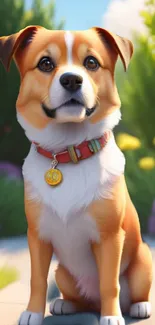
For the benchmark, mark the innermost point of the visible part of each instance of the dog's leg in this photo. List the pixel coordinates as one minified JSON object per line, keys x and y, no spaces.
{"x":140,"y":280}
{"x":109,"y":217}
{"x":139,"y":274}
{"x":72,"y":302}
{"x":108,"y":257}
{"x":40,"y":254}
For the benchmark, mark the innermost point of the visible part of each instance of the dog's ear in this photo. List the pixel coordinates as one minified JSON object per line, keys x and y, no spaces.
{"x":122,"y":46}
{"x":9,"y":45}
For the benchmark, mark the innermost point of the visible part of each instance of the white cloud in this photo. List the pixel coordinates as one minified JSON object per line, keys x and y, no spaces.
{"x":123,"y":17}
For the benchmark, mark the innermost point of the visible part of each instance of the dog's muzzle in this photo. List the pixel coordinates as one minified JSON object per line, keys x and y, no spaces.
{"x":51,"y":112}
{"x":74,"y":102}
{"x":71,"y":81}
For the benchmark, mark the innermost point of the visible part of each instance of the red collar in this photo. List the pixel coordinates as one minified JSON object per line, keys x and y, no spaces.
{"x":76,"y":153}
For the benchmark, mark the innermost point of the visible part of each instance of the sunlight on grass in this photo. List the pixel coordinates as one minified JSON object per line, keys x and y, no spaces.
{"x":8,"y":275}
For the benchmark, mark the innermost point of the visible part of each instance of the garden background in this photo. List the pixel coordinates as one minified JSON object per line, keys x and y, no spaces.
{"x":135,"y":135}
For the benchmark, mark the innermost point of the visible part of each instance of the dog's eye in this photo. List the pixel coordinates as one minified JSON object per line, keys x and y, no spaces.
{"x":46,"y":64}
{"x":91,"y":63}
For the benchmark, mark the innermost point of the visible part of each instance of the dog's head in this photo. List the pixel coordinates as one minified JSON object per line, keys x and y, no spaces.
{"x":65,"y":76}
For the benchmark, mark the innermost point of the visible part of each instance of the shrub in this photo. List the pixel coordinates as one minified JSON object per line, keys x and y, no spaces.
{"x":140,"y":178}
{"x":15,"y":16}
{"x":12,"y":216}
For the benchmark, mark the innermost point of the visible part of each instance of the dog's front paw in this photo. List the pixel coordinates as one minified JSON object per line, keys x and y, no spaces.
{"x":140,"y":310}
{"x":112,"y":320}
{"x":62,"y":307}
{"x":30,"y":318}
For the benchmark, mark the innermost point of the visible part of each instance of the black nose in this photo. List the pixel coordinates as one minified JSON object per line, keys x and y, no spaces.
{"x":71,"y":81}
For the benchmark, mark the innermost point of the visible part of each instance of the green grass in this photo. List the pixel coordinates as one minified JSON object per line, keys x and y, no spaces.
{"x":8,"y":275}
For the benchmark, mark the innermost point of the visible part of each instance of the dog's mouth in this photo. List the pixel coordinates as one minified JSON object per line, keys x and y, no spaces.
{"x":52,"y":112}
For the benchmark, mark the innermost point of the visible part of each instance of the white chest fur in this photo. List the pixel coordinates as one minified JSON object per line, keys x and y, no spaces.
{"x":64,"y":220}
{"x":89,"y":180}
{"x":64,"y":216}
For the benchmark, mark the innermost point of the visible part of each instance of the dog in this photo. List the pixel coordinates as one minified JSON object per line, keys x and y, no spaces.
{"x":76,"y":200}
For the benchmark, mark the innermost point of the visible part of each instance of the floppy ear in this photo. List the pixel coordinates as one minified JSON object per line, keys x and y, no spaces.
{"x":10,"y":44}
{"x":122,"y":46}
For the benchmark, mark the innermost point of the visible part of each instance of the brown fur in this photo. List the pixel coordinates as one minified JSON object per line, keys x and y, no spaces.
{"x":117,"y":220}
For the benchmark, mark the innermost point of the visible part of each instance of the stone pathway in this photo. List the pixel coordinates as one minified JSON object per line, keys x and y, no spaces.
{"x":14,"y":298}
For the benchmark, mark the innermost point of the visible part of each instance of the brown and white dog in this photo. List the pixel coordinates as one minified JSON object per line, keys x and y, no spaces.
{"x":68,"y":105}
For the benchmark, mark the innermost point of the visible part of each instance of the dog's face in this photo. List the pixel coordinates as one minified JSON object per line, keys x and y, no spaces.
{"x":65,"y":76}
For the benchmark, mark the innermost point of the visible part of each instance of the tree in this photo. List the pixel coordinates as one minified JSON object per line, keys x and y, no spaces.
{"x":13,"y":143}
{"x":149,"y":17}
{"x":137,"y":90}
{"x":41,"y":14}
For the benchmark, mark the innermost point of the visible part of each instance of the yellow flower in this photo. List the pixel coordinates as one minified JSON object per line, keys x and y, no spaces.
{"x":127,"y":142}
{"x":147,"y":163}
{"x":154,"y":140}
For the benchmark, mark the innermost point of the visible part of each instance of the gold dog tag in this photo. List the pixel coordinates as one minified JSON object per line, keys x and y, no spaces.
{"x":53,"y":176}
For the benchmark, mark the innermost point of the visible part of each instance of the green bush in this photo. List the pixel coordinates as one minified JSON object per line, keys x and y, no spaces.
{"x":12,"y":216}
{"x":14,"y":17}
{"x":136,"y":90}
{"x":136,"y":87}
{"x":141,"y":184}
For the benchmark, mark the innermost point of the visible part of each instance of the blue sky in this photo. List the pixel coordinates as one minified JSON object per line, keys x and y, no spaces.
{"x":79,"y":14}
